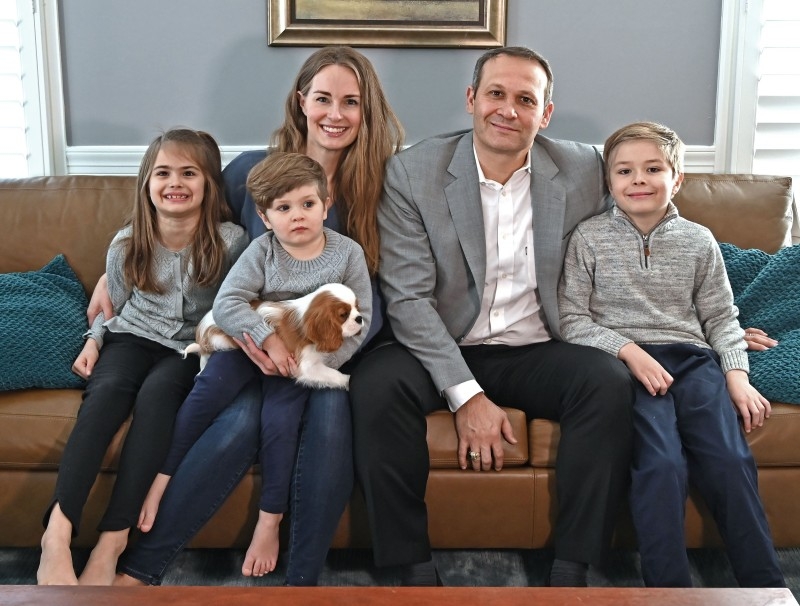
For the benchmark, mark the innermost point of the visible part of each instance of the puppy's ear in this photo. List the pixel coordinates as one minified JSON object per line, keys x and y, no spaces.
{"x":323,"y":322}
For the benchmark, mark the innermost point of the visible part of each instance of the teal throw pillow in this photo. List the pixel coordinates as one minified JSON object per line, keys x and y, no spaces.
{"x":42,"y":320}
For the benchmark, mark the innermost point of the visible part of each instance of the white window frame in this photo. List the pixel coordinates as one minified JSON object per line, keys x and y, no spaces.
{"x":42,"y":87}
{"x":737,"y":86}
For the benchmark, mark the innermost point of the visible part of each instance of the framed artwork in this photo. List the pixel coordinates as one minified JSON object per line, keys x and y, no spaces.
{"x":421,"y":23}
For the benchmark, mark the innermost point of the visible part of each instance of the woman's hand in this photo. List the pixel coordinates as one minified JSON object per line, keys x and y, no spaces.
{"x":758,"y":340}
{"x":100,"y":301}
{"x":84,"y":363}
{"x":262,"y":359}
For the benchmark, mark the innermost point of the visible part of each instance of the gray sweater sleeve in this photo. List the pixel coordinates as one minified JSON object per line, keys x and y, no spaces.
{"x":713,"y":302}
{"x":118,"y":291}
{"x":574,"y":300}
{"x":244,"y":283}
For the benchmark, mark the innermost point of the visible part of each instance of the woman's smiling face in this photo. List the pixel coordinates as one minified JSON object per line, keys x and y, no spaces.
{"x":332,"y":107}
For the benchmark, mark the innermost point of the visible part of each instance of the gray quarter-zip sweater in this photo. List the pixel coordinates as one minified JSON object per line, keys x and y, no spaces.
{"x":668,"y":286}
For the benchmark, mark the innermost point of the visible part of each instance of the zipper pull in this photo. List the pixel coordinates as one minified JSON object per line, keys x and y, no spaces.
{"x":646,"y":243}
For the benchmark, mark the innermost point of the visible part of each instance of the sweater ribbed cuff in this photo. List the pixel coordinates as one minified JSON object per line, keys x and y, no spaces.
{"x":735,"y":359}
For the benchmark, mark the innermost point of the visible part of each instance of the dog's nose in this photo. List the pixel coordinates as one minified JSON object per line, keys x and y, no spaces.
{"x":359,"y":320}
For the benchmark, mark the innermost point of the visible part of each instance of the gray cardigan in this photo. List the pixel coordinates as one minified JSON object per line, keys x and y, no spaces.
{"x":169,"y":318}
{"x":611,"y":293}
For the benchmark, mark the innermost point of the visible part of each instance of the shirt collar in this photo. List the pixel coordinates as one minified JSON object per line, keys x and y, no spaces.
{"x":526,"y":166}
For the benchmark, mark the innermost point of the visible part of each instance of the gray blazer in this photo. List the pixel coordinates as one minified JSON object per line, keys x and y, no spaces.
{"x":433,"y":252}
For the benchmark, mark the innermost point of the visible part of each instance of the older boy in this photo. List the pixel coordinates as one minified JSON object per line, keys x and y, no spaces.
{"x":650,"y":287}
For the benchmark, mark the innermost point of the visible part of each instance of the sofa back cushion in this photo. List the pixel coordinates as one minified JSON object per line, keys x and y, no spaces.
{"x":750,"y":211}
{"x":75,"y":215}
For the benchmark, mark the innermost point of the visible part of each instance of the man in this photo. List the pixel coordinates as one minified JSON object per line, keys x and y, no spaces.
{"x":473,"y":231}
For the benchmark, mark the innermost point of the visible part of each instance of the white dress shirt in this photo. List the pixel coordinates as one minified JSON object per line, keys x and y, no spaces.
{"x":510,"y":311}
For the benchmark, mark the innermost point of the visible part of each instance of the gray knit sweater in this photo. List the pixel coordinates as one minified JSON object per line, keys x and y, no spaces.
{"x":612,"y":292}
{"x":169,"y":318}
{"x":266,"y":271}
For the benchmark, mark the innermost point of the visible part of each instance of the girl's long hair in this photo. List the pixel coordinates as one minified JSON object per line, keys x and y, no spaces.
{"x":208,"y":250}
{"x":358,"y":182}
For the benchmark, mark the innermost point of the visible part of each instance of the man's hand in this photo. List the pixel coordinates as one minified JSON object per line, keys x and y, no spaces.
{"x":481,"y":425}
{"x":644,"y":367}
{"x":758,"y":340}
{"x":84,"y":363}
{"x":751,"y":405}
{"x":261,"y":359}
{"x":100,"y":301}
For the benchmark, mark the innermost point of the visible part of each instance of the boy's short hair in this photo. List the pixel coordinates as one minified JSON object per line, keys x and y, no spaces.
{"x":280,"y":173}
{"x":664,"y":137}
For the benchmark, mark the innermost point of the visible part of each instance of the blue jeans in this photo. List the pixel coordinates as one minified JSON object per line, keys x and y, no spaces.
{"x":321,"y":485}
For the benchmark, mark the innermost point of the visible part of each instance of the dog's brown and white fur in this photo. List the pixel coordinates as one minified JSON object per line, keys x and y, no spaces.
{"x":309,"y":326}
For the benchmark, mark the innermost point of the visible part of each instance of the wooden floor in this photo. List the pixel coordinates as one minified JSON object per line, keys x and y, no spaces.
{"x":17,"y":595}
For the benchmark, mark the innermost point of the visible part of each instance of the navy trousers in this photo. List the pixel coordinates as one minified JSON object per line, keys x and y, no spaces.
{"x":692,"y":434}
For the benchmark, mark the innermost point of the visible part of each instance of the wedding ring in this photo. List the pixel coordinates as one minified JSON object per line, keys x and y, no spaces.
{"x":474,"y":456}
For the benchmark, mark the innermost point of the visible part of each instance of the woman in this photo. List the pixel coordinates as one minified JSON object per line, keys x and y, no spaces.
{"x":336,"y":113}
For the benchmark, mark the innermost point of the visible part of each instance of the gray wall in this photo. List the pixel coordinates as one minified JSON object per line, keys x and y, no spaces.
{"x":134,"y":68}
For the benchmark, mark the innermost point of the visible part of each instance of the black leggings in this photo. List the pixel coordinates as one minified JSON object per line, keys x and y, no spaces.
{"x":132,"y":374}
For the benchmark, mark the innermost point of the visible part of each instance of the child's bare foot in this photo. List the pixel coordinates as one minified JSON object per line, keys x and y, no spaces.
{"x":262,"y":555}
{"x":147,"y":517}
{"x":55,"y":565}
{"x":101,"y":568}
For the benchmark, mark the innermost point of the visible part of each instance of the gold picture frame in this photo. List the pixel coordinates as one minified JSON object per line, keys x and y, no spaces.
{"x":412,"y":23}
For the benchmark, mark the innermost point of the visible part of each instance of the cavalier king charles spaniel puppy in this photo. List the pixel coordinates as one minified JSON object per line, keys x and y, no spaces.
{"x":309,"y":326}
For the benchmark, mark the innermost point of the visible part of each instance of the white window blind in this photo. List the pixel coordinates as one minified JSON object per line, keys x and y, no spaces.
{"x":777,"y":135}
{"x":27,"y":145}
{"x":13,"y":145}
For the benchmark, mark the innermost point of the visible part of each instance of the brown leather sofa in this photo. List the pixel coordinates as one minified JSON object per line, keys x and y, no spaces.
{"x":78,"y":215}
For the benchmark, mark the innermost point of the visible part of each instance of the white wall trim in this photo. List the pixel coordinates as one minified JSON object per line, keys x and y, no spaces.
{"x":737,"y":86}
{"x":51,"y":98}
{"x":125,"y":160}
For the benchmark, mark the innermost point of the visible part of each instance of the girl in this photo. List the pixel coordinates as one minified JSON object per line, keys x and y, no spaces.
{"x":163,"y":270}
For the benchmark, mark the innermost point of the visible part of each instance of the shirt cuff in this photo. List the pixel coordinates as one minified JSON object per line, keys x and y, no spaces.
{"x":457,"y":395}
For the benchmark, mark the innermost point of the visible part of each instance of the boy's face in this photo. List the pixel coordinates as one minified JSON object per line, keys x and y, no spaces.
{"x":642,"y":182}
{"x":296,"y":218}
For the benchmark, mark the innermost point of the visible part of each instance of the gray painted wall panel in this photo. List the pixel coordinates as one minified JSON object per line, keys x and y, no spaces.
{"x":134,"y":68}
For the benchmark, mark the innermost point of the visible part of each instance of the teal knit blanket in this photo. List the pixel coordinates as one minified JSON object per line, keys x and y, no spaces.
{"x":766,"y":289}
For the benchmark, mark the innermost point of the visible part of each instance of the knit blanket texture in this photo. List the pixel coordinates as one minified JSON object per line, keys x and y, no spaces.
{"x":766,"y":289}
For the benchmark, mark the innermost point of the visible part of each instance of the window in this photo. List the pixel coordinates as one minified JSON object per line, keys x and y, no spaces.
{"x":776,"y":148}
{"x":31,"y":122}
{"x":13,"y":146}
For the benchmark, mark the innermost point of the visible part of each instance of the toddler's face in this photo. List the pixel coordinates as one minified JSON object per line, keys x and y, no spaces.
{"x":296,"y":218}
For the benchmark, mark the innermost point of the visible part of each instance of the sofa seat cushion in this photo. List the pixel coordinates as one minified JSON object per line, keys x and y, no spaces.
{"x":35,"y":425}
{"x":443,"y":440}
{"x":776,"y":444}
